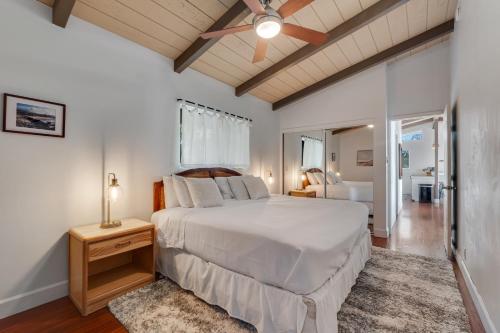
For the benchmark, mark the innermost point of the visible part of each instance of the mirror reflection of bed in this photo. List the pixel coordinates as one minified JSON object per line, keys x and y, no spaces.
{"x":339,"y":160}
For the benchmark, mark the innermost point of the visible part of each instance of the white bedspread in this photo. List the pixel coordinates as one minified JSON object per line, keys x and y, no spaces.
{"x":347,"y":190}
{"x":292,"y":243}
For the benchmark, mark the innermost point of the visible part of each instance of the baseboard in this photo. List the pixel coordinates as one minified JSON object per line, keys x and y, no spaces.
{"x":15,"y":304}
{"x":380,"y":233}
{"x":476,"y":298}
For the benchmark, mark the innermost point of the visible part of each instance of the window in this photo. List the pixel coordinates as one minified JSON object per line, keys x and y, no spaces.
{"x":210,"y":137}
{"x":312,"y":152}
{"x":413,"y":136}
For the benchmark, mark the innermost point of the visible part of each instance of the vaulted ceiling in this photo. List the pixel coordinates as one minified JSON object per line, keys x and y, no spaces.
{"x":170,"y":27}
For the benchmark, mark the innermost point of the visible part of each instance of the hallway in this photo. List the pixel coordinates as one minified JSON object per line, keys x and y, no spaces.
{"x":418,"y":230}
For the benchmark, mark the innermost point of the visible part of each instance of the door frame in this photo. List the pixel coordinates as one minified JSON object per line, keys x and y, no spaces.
{"x":447,"y":205}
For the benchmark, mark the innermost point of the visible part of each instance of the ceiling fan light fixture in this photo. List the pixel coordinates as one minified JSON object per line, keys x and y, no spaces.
{"x":268,"y":26}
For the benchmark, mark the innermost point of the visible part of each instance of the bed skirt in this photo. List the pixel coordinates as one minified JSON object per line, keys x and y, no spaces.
{"x":268,"y":308}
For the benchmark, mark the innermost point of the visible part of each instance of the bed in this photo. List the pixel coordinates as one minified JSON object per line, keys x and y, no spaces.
{"x":283,"y":264}
{"x":346,"y":190}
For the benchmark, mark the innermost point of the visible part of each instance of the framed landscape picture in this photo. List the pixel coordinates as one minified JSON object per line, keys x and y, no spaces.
{"x":365,"y":158}
{"x":33,"y":116}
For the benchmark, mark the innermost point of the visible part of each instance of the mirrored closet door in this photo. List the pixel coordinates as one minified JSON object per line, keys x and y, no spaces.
{"x":349,"y":164}
{"x":334,"y":163}
{"x":303,"y":163}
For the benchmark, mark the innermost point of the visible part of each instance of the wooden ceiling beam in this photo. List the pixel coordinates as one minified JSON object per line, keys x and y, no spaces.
{"x":421,"y":122}
{"x":345,"y":129}
{"x":61,"y":11}
{"x":378,"y":58}
{"x":234,"y":15}
{"x":355,"y":23}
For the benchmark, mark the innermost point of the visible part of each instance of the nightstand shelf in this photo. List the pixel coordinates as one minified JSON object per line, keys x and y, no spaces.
{"x":106,"y":263}
{"x":113,"y":281}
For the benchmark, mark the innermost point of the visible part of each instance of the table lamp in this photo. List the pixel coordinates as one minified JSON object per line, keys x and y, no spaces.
{"x":114,"y":192}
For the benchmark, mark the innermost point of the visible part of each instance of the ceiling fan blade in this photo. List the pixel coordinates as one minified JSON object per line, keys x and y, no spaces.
{"x":305,"y":34}
{"x":255,"y":6}
{"x":260,"y":50}
{"x":223,"y":32}
{"x":292,"y":6}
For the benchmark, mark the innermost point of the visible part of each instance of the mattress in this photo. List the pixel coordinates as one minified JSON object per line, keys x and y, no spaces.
{"x":292,"y":243}
{"x":347,"y":190}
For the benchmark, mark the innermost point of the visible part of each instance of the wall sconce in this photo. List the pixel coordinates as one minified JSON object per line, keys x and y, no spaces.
{"x":114,"y":193}
{"x":370,"y":126}
{"x":270,"y":179}
{"x":337,"y":174}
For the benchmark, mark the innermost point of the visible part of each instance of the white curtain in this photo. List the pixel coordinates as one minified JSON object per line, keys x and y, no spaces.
{"x":213,"y":138}
{"x":312,"y":154}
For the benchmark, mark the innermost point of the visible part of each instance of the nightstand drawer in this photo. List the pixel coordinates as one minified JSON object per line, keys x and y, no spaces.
{"x":106,"y":248}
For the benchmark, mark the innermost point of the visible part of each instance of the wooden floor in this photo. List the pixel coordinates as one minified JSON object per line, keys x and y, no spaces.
{"x":418,"y":230}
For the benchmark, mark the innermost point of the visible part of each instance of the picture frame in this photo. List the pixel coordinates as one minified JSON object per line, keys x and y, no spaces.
{"x":25,"y":115}
{"x":365,"y":158}
{"x":400,"y":161}
{"x":405,"y":155}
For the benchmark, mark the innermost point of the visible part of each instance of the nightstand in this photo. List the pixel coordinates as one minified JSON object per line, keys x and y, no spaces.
{"x":302,"y":193}
{"x":106,"y":263}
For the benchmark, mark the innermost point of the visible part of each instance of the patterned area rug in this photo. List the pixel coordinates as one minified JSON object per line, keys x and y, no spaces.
{"x":395,"y":292}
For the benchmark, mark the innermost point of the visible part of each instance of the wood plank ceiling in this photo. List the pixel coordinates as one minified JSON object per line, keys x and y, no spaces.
{"x":170,"y":26}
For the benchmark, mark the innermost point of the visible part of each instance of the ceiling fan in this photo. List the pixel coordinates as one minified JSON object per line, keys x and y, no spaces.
{"x":268,"y":23}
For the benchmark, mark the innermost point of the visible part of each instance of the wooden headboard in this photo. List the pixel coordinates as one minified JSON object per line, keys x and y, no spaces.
{"x":159,"y":193}
{"x":305,"y":182}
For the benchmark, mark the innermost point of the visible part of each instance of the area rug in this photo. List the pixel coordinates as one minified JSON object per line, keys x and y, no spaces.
{"x":396,"y":292}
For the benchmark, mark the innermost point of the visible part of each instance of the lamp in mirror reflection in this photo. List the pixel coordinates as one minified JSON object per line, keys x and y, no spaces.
{"x":300,"y":180}
{"x":114,"y":193}
{"x":270,"y":179}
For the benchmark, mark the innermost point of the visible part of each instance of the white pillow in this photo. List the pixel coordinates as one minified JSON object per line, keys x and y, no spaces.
{"x":169,"y":192}
{"x":182,"y":192}
{"x":204,"y":192}
{"x":256,"y":187}
{"x":319,"y":177}
{"x":238,"y":188}
{"x":312,"y":180}
{"x":224,"y":187}
{"x":330,"y":178}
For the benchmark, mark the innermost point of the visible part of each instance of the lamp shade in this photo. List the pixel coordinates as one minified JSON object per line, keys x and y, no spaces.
{"x":115,"y":192}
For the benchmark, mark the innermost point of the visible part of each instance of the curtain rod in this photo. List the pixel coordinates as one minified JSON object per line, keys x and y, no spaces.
{"x":213,"y":109}
{"x":310,"y":137}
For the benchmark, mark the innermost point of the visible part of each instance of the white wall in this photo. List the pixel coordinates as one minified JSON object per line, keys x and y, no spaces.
{"x":475,"y":85}
{"x":419,"y":83}
{"x":121,"y":109}
{"x":356,"y":101}
{"x":350,"y":143}
{"x":421,"y":154}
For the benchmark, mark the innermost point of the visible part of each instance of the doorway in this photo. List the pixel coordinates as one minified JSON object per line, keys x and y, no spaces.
{"x":418,"y":176}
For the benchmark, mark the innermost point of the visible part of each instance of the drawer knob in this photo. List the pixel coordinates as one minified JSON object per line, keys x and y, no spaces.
{"x":122,"y":244}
